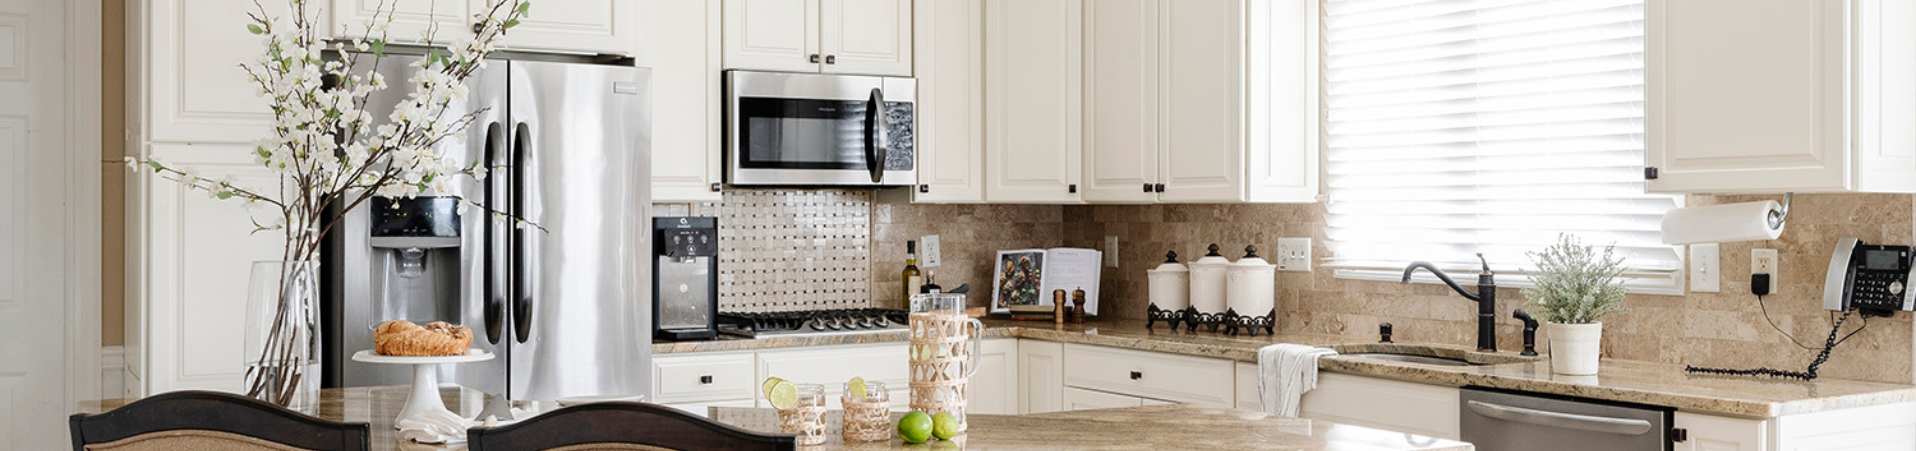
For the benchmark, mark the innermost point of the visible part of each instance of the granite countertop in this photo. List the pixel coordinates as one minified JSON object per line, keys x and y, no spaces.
{"x":1620,"y":380}
{"x":1140,"y":428}
{"x":1143,"y":428}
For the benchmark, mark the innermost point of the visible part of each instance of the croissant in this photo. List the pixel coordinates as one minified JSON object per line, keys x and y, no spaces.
{"x":403,"y":338}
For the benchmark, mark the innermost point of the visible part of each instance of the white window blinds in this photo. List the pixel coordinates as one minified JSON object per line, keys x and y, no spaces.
{"x":1463,"y":126}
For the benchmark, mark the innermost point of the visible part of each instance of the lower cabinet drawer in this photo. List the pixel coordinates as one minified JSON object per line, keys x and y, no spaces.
{"x":702,"y":377}
{"x":831,"y":367}
{"x":1177,"y":378}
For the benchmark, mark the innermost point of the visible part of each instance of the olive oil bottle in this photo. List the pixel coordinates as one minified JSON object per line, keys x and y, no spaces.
{"x":911,"y":277}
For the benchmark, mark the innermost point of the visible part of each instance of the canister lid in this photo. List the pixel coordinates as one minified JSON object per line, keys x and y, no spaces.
{"x":1171,"y":264}
{"x":1212,"y":258}
{"x":1251,"y":259}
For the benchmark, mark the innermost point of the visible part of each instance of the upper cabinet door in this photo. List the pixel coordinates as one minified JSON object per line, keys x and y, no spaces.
{"x":773,"y":35}
{"x":679,"y":41}
{"x":949,"y":61}
{"x":351,"y":18}
{"x":1746,"y":96}
{"x":604,"y":26}
{"x":1281,"y":98}
{"x":871,"y":37}
{"x":1121,"y":101}
{"x":1202,"y":95}
{"x":1033,"y":99}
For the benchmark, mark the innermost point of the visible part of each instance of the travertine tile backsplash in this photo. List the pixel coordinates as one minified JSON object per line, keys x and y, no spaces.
{"x":1712,"y":329}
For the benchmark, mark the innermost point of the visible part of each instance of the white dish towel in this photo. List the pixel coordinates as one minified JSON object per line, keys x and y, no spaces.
{"x":1284,"y":372}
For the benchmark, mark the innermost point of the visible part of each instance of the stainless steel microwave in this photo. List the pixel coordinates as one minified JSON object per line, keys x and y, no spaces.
{"x":785,"y":129}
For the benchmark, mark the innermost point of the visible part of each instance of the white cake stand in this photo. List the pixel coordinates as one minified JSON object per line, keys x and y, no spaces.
{"x":425,"y":418}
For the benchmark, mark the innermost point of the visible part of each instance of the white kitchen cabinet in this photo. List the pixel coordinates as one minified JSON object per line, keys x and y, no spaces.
{"x":679,"y":40}
{"x":1200,"y":101}
{"x":949,"y":62}
{"x":1076,"y":399}
{"x":1040,"y":376}
{"x":1033,"y":100}
{"x":1141,"y":374}
{"x":577,"y":26}
{"x":1247,"y":395}
{"x":1430,"y":410}
{"x":680,"y":378}
{"x":1788,"y":96}
{"x":1714,"y":433}
{"x":994,"y":387}
{"x":872,"y":37}
{"x":832,"y":366}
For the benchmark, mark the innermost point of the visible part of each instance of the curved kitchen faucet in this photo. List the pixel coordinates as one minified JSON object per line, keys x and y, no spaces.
{"x":1486,"y":297}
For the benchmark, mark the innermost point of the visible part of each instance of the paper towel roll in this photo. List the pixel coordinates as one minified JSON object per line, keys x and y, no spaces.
{"x":1747,"y":221}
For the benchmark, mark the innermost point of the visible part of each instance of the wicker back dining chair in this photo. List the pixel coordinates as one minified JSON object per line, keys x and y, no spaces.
{"x":211,"y":421}
{"x":622,"y":426}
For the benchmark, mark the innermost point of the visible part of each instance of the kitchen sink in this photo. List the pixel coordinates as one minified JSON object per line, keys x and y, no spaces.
{"x":1427,"y":355}
{"x":1411,"y":358}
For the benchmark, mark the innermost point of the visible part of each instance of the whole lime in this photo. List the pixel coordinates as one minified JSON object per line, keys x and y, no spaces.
{"x":915,"y":427}
{"x":944,"y":425}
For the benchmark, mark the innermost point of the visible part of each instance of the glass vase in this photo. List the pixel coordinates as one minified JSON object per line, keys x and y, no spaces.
{"x":282,"y":334}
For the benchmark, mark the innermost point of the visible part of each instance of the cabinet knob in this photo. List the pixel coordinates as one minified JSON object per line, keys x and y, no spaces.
{"x":1159,"y":187}
{"x":814,"y":58}
{"x":706,"y":379}
{"x":831,"y":59}
{"x":717,"y":187}
{"x":924,"y":188}
{"x":1137,"y":375}
{"x":1147,"y":187}
{"x":1072,"y":189}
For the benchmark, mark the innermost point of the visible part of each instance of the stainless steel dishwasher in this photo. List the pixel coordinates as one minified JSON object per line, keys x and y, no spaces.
{"x":1503,"y":421}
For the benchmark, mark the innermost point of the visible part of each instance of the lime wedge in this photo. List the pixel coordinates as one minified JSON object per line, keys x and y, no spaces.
{"x":766,"y":388}
{"x":856,"y":388}
{"x":783,"y":395}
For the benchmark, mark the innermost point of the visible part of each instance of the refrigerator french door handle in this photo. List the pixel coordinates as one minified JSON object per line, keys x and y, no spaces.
{"x":523,"y":249}
{"x":875,"y":135}
{"x":494,"y":309}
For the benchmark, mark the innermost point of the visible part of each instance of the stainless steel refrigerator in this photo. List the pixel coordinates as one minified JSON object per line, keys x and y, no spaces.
{"x":565,"y":306}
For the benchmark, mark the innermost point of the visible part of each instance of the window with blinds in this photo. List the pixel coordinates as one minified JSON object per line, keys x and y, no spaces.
{"x":1455,"y":127}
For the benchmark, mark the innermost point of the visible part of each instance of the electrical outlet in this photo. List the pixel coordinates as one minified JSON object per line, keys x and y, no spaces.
{"x":1110,"y":251}
{"x":1294,"y":254}
{"x":1705,"y":268}
{"x":928,"y":251}
{"x":1763,"y":261}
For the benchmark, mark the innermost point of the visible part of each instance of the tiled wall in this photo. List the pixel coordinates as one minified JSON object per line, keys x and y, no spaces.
{"x":1715,"y":329}
{"x":790,"y":249}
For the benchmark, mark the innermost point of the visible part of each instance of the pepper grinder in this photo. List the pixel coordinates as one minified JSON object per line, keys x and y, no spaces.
{"x":1059,"y":309}
{"x":1077,"y":303}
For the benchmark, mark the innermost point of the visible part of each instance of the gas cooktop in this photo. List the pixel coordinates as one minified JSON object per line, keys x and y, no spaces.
{"x":813,"y":322}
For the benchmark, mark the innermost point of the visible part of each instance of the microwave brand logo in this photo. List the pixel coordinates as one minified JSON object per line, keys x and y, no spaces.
{"x":827,"y":109}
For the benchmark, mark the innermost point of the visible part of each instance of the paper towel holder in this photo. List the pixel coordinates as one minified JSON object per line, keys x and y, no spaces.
{"x":1746,"y":221}
{"x":1777,"y":218}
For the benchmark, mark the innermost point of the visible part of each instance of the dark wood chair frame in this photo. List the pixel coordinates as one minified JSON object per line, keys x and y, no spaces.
{"x":221,"y":412}
{"x":623,"y":423}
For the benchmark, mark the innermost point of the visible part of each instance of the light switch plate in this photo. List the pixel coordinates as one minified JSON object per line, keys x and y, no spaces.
{"x":928,"y":251}
{"x":1705,"y":268}
{"x":1294,"y":254}
{"x":1763,"y":261}
{"x":1110,"y":251}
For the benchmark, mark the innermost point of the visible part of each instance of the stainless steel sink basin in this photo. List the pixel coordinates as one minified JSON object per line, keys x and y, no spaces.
{"x":1412,"y":358}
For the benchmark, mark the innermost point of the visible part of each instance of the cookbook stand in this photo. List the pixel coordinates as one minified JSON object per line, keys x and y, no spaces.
{"x":425,"y":418}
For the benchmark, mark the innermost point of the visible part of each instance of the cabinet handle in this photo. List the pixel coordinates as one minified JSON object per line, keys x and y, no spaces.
{"x":1159,"y":187}
{"x":814,"y":58}
{"x":1072,"y":189}
{"x":706,"y":379}
{"x":1137,"y":375}
{"x":924,"y":188}
{"x":831,"y":59}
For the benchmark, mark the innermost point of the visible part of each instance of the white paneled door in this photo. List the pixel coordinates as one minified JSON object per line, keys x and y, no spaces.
{"x":45,"y":103}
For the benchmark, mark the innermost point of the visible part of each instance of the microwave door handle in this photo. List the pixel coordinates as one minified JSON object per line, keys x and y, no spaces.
{"x":875,"y":135}
{"x":1560,"y":420}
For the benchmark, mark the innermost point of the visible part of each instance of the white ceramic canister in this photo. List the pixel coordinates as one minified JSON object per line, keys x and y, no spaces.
{"x":1251,"y":285}
{"x":1207,"y":282}
{"x":1170,"y":284}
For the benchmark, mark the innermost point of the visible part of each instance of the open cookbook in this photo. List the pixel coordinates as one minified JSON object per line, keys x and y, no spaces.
{"x":1025,"y":278}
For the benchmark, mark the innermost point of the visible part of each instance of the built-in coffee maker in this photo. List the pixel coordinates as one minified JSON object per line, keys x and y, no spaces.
{"x":685,"y":278}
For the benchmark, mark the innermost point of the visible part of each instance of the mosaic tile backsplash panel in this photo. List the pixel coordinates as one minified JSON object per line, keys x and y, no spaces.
{"x":790,"y":249}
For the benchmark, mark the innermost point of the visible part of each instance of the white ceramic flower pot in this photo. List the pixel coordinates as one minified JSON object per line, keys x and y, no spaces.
{"x":1574,"y":348}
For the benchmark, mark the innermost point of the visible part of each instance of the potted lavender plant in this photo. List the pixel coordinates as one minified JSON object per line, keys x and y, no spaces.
{"x":1575,"y":286}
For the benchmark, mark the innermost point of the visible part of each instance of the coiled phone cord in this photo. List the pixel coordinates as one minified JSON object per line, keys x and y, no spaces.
{"x":1821,"y":356}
